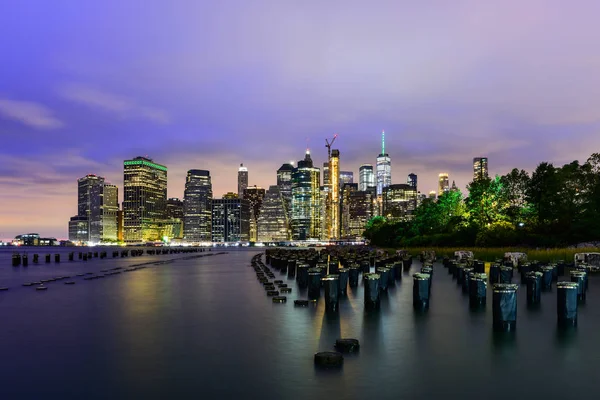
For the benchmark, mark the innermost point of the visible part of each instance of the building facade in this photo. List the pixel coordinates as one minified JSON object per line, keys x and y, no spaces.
{"x":255,"y":196}
{"x":333,"y":204}
{"x":109,"y":210}
{"x":357,"y":210}
{"x":144,"y":200}
{"x":79,"y":229}
{"x":284,"y":182}
{"x":242,"y":180}
{"x":366,"y":177}
{"x":272,"y":225}
{"x":306,"y":201}
{"x":443,"y":183}
{"x":346,"y":177}
{"x":480,"y":168}
{"x":384,"y":168}
{"x":97,"y":209}
{"x":399,"y":202}
{"x":175,"y":215}
{"x":230,"y":220}
{"x":197,"y":206}
{"x":412,"y":180}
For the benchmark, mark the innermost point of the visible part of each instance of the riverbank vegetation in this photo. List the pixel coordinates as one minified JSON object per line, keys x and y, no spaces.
{"x":551,"y":208}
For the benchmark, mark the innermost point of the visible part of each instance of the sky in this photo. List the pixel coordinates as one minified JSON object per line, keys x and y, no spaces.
{"x":199,"y":84}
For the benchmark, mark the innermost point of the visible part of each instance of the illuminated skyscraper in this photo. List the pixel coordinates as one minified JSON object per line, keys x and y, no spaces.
{"x":432,"y":195}
{"x":109,"y":210}
{"x":79,"y":226}
{"x":284,"y":182}
{"x":255,"y":196}
{"x":346,"y":177}
{"x":384,"y":168}
{"x":399,"y":201}
{"x":242,"y":180}
{"x":324,"y":212}
{"x":326,"y":174}
{"x":230,"y":219}
{"x":97,"y":209}
{"x":306,"y":200}
{"x":443,"y":183}
{"x":144,"y":199}
{"x":366,"y":178}
{"x":272,"y":223}
{"x":480,"y":168}
{"x":334,"y":195}
{"x":197,"y":206}
{"x":85,"y":188}
{"x":175,"y":215}
{"x":357,"y":210}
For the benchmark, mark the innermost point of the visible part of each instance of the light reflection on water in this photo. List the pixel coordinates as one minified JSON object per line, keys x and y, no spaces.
{"x":205,"y":328}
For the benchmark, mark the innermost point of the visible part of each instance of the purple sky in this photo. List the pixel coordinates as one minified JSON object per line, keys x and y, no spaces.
{"x":210,"y":84}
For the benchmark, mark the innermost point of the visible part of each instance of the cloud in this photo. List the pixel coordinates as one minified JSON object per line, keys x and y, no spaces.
{"x":120,"y":105}
{"x":29,"y":113}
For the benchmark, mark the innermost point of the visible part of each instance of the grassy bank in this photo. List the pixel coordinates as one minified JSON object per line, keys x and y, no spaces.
{"x":491,"y":254}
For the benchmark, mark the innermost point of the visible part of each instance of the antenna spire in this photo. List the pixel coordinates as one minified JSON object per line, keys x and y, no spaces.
{"x":382,"y":142}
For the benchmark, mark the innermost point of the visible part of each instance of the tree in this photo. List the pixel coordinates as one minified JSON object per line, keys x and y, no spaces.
{"x":513,"y":188}
{"x":485,"y":204}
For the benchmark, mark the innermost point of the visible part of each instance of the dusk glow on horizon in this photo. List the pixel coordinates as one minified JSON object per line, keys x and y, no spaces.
{"x":211,"y":85}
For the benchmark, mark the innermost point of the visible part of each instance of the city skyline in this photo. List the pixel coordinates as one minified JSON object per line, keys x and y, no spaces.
{"x":73,"y":105}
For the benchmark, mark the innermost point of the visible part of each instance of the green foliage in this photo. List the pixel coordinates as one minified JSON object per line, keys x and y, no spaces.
{"x":552,"y":207}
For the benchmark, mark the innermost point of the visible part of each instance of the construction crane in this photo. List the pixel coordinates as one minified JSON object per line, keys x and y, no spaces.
{"x":328,"y":145}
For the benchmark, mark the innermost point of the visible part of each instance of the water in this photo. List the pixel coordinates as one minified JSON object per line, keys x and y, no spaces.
{"x":204,"y":328}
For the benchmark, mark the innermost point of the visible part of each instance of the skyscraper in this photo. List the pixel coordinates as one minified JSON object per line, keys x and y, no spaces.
{"x":284,"y":182}
{"x":399,"y":201}
{"x":334,"y":195}
{"x":144,"y":199}
{"x":85,"y":186}
{"x":230,"y":219}
{"x":346,"y":177}
{"x":272,"y":223}
{"x":255,"y":196}
{"x":324,"y":210}
{"x":480,"y":168}
{"x":357,"y":210}
{"x":366,"y":178}
{"x":242,"y":180}
{"x":89,"y":189}
{"x":384,"y":168}
{"x":443,"y":183}
{"x":412,"y":180}
{"x":175,"y":214}
{"x":326,"y":174}
{"x":109,"y":211}
{"x":306,"y":200}
{"x":197,"y":206}
{"x":97,"y":208}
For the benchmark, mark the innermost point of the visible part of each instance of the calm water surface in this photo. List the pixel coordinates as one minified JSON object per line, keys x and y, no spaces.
{"x":204,"y":328}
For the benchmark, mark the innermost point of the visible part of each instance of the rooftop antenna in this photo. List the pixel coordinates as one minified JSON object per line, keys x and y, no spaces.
{"x":382,"y":142}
